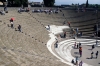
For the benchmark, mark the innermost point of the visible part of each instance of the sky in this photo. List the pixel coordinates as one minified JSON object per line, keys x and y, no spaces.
{"x":59,"y":2}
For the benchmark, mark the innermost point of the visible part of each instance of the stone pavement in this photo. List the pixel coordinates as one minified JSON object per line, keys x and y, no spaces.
{"x":86,"y":55}
{"x":66,"y":53}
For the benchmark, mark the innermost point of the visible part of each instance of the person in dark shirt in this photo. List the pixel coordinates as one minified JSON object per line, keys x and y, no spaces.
{"x":19,"y":28}
{"x":96,"y":54}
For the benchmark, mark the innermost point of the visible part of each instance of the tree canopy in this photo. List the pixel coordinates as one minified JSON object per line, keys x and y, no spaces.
{"x":49,"y":3}
{"x":3,"y":0}
{"x":16,"y":3}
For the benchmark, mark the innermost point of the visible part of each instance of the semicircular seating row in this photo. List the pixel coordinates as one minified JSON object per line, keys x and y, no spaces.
{"x":18,"y":49}
{"x":65,"y":47}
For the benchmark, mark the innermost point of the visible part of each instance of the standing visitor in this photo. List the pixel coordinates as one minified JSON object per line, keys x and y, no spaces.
{"x":12,"y":25}
{"x":96,"y":42}
{"x":56,"y":44}
{"x":91,"y":55}
{"x":93,"y":47}
{"x":80,"y":51}
{"x":2,"y":12}
{"x":65,"y":35}
{"x":96,"y":54}
{"x":81,"y":33}
{"x":48,"y":27}
{"x":19,"y":10}
{"x":75,"y":45}
{"x":76,"y":61}
{"x":19,"y":28}
{"x":73,"y":61}
{"x":80,"y":64}
{"x":5,"y":8}
{"x":79,"y":44}
{"x":12,"y":19}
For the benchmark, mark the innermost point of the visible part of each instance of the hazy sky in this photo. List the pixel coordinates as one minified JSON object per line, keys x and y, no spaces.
{"x":59,"y":2}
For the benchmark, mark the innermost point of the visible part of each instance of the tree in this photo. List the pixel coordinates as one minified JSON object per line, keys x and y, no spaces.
{"x":87,"y":4}
{"x":96,"y":5}
{"x":3,"y":0}
{"x":49,"y":3}
{"x":17,"y":3}
{"x":72,"y":4}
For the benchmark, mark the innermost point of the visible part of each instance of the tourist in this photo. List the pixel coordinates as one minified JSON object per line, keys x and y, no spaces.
{"x":27,"y":9}
{"x":65,"y":35}
{"x":93,"y":47}
{"x":56,"y":44}
{"x":96,"y":42}
{"x":80,"y":64}
{"x":64,"y":23}
{"x":77,"y":30}
{"x":75,"y":45}
{"x":80,"y":51}
{"x":2,"y":12}
{"x":19,"y":10}
{"x":48,"y":27}
{"x":74,"y":32}
{"x":73,"y":61}
{"x":11,"y":24}
{"x":91,"y":55}
{"x":19,"y":28}
{"x":5,"y":8}
{"x":79,"y":44}
{"x":12,"y":19}
{"x":81,"y":33}
{"x":96,"y":54}
{"x":76,"y":60}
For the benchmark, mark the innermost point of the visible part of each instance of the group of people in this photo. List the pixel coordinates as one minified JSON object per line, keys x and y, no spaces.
{"x":2,"y":12}
{"x":96,"y":54}
{"x":76,"y":62}
{"x":45,"y":11}
{"x":12,"y":24}
{"x":23,"y":10}
{"x":76,"y":32}
{"x":78,"y":46}
{"x":81,"y":9}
